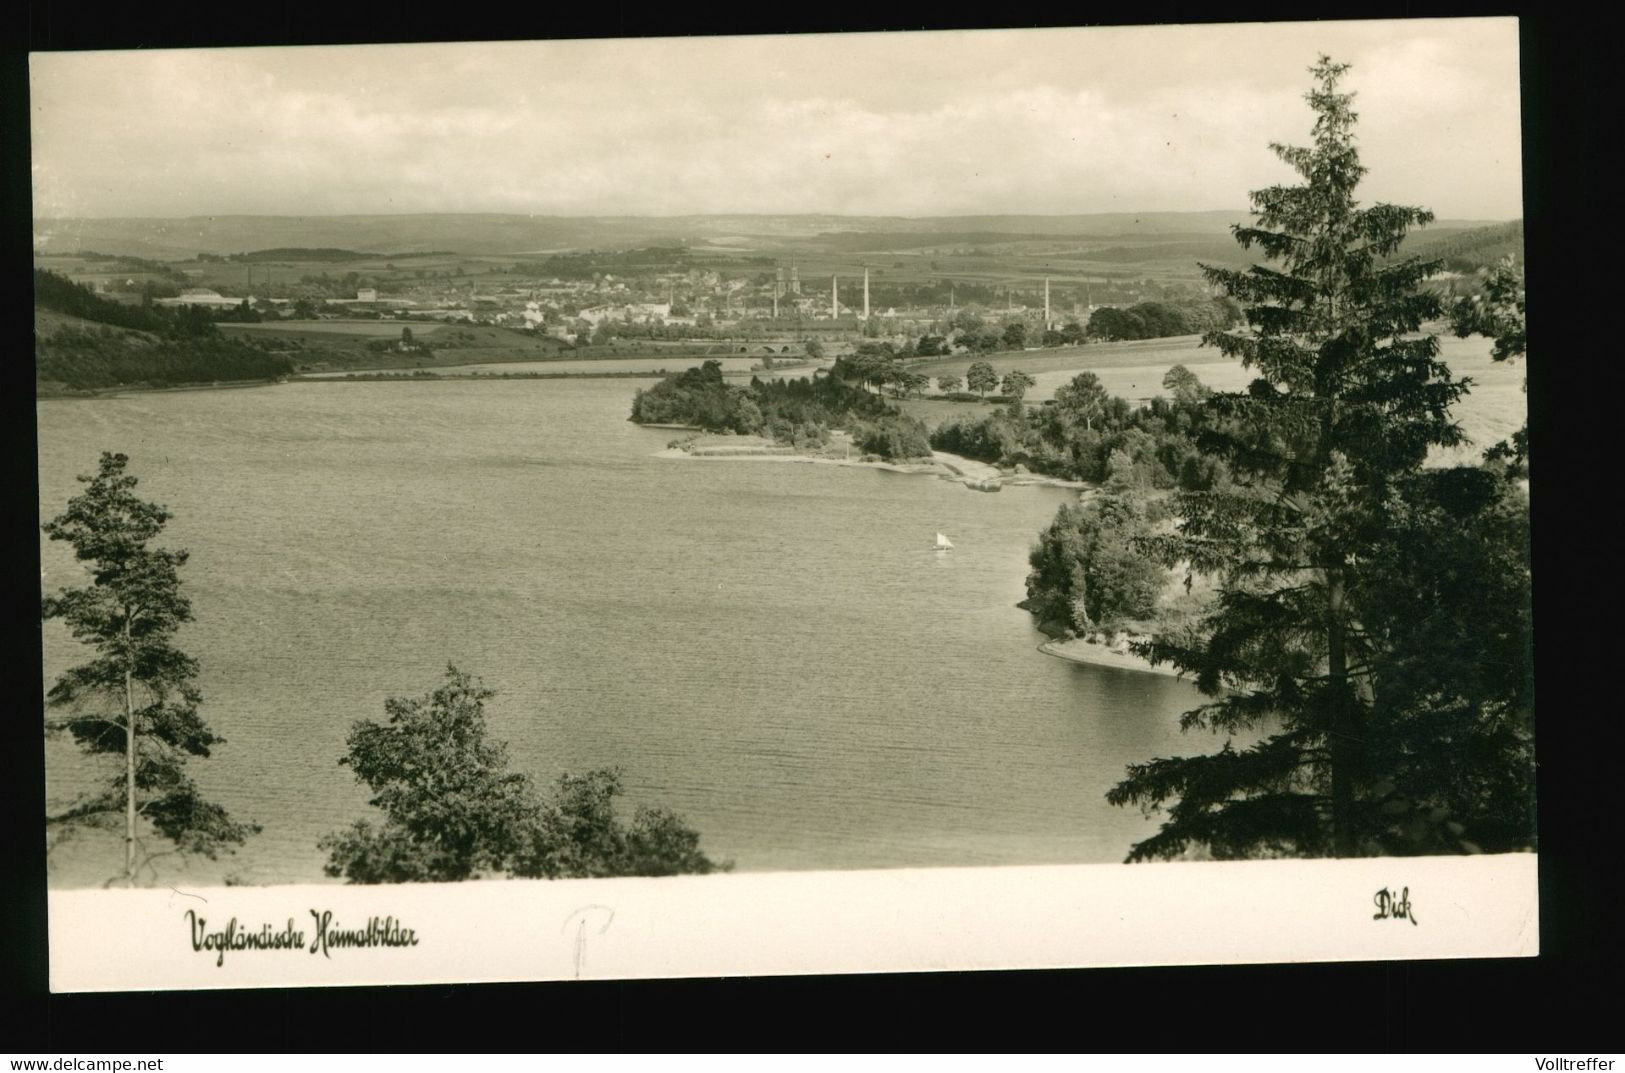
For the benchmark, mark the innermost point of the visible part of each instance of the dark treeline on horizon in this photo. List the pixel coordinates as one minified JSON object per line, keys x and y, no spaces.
{"x":157,"y":346}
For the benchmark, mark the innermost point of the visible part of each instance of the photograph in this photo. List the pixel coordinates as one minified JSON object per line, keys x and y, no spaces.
{"x":684,"y":489}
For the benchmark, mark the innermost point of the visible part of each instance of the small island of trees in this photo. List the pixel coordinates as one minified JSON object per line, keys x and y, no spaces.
{"x":799,"y":412}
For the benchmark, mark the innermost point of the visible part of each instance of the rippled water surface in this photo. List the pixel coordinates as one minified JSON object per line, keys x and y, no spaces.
{"x":769,"y":648}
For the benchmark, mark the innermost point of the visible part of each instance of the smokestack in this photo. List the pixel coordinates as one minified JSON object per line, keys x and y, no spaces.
{"x":865,"y":294}
{"x":1046,"y":303}
{"x":834,"y":298}
{"x":775,"y":307}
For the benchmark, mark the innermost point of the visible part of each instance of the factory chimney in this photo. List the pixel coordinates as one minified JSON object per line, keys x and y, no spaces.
{"x":865,"y":294}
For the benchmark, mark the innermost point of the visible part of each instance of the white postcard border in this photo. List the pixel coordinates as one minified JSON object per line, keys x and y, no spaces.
{"x":786,"y":923}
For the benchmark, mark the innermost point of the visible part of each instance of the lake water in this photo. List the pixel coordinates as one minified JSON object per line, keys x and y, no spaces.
{"x":768,"y":648}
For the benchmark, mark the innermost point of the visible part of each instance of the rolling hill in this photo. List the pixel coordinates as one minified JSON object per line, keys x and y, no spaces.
{"x":84,"y":343}
{"x":1466,"y":249}
{"x":475,"y":233}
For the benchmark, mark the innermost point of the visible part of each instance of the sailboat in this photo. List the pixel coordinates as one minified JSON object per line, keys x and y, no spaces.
{"x":943,"y":543}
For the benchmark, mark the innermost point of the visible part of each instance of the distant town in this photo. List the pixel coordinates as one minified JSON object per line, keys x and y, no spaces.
{"x":808,"y":289}
{"x":652,"y":292}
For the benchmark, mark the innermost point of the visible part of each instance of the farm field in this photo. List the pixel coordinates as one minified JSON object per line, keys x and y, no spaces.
{"x":1494,"y":407}
{"x":1132,"y":370}
{"x":375,"y":329}
{"x":446,"y":338}
{"x":452,"y":343}
{"x":1176,"y":350}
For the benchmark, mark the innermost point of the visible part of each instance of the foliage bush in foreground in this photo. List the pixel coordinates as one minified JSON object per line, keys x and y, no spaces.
{"x":452,"y":810}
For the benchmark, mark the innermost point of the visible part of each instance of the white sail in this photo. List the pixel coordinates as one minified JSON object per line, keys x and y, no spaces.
{"x":944,"y":542}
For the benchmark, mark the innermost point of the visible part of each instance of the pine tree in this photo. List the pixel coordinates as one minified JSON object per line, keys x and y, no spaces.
{"x":1326,"y":448}
{"x":138,"y":699}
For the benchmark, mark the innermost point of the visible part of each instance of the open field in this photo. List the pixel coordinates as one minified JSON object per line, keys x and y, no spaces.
{"x":372,"y":329}
{"x":281,"y":278}
{"x":1494,"y":407}
{"x":1132,"y":370}
{"x":343,"y":345}
{"x":1181,"y":349}
{"x":447,"y":336}
{"x":435,"y":334}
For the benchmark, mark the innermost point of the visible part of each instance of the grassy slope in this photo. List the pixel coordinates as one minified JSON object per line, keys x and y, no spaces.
{"x":47,"y":322}
{"x":344,"y":344}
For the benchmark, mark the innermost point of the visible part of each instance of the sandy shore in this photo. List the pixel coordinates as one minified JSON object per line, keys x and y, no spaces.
{"x":944,"y":465}
{"x":1078,"y":650}
{"x":748,"y":454}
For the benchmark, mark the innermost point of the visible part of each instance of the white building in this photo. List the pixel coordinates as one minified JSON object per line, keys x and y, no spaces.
{"x":203,"y":296}
{"x":635,"y":311}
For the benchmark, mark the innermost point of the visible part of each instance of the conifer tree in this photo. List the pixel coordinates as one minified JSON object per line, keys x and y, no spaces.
{"x":138,"y":698}
{"x":1326,"y":448}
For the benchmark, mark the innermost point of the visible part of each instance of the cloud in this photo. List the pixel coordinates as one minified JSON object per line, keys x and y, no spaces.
{"x":906,"y":124}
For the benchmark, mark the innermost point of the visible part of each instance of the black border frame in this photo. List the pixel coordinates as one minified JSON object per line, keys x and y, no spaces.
{"x":1498,"y":1005}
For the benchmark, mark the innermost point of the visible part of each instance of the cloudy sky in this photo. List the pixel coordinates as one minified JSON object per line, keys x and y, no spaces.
{"x":915,"y":124}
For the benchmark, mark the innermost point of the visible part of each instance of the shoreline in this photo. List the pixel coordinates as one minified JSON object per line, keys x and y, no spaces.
{"x":126,"y":390}
{"x":978,"y":476}
{"x":384,"y":375}
{"x":1084,"y":652}
{"x":756,"y":454}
